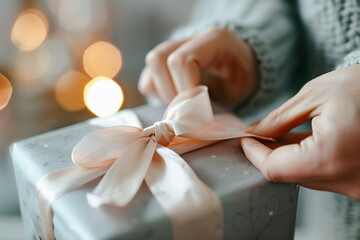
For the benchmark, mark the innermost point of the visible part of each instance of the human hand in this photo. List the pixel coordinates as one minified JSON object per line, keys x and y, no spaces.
{"x":216,"y":58}
{"x":328,"y":158}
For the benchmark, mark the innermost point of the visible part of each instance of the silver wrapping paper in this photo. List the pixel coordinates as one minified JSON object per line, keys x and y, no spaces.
{"x":253,"y":207}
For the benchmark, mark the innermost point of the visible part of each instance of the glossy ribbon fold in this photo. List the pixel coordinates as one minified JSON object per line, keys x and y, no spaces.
{"x":128,"y":155}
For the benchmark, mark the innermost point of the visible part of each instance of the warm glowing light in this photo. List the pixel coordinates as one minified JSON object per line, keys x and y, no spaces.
{"x":30,"y":30}
{"x":103,"y":96}
{"x":102,"y":59}
{"x":5,"y":91}
{"x":69,"y":90}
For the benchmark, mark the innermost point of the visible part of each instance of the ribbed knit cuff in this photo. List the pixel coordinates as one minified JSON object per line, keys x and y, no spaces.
{"x":350,"y":59}
{"x":267,"y":70}
{"x":347,"y":212}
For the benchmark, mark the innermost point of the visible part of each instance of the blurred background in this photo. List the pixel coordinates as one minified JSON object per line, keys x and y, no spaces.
{"x":53,"y":52}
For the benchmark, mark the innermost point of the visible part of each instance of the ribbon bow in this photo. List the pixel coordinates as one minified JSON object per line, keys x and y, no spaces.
{"x":128,"y":155}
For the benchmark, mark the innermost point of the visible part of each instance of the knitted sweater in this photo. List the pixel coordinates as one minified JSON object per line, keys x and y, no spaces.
{"x":293,"y":41}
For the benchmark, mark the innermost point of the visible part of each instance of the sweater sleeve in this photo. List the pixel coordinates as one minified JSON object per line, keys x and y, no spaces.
{"x":267,"y":26}
{"x":347,"y":210}
{"x":350,"y":59}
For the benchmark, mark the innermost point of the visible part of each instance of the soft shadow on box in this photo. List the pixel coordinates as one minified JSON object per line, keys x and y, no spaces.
{"x":253,"y":208}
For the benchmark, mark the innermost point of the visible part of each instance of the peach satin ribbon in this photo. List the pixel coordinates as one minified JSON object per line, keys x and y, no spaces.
{"x":128,"y":155}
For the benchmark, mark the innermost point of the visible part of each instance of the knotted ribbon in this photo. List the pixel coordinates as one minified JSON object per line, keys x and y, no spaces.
{"x":128,"y":155}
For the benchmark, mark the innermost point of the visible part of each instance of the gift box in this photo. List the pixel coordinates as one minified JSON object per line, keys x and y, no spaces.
{"x":253,"y":208}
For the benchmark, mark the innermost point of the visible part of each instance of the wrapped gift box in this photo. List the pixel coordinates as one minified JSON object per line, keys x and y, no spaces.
{"x":253,"y":207}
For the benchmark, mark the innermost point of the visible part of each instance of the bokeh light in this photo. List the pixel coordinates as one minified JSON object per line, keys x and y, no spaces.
{"x":5,"y":91}
{"x":30,"y":30}
{"x":103,"y":96}
{"x":102,"y":59}
{"x":69,"y":90}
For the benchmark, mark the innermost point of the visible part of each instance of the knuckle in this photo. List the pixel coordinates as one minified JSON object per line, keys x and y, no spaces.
{"x":309,"y":87}
{"x":275,"y":115}
{"x":176,"y":60}
{"x":158,"y":55}
{"x":154,"y":57}
{"x":269,"y":171}
{"x":217,"y":31}
{"x":142,"y":86}
{"x":269,"y":175}
{"x":142,"y":89}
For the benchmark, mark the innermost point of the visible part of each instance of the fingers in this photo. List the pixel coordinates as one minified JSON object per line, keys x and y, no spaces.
{"x":199,"y":52}
{"x":145,"y":84}
{"x":172,"y":67}
{"x":289,"y":138}
{"x":291,"y":114}
{"x":299,"y":163}
{"x":289,"y":163}
{"x":156,"y":75}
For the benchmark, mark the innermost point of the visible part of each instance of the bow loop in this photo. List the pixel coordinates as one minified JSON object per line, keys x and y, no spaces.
{"x":162,"y":133}
{"x":189,"y":111}
{"x":127,"y":155}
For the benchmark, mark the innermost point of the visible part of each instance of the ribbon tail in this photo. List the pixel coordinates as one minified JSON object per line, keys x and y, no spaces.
{"x":57,"y":183}
{"x":183,"y":145}
{"x":194,"y":209}
{"x":217,"y":131}
{"x":124,"y":178}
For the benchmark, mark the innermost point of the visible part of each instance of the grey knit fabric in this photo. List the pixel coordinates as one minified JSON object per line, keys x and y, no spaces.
{"x":347,"y":217}
{"x":266,"y":65}
{"x":266,"y":26}
{"x":350,"y":59}
{"x":331,"y":31}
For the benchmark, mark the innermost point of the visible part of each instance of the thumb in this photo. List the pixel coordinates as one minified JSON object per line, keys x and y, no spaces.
{"x":288,"y":163}
{"x":291,"y":114}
